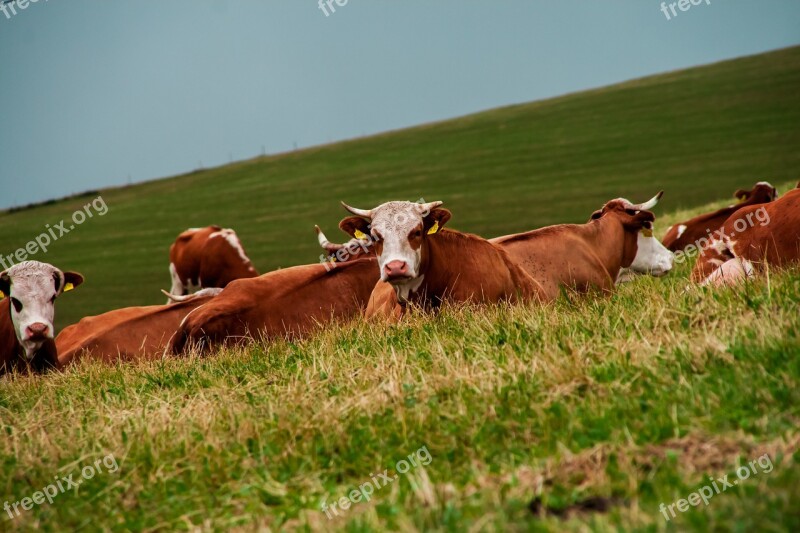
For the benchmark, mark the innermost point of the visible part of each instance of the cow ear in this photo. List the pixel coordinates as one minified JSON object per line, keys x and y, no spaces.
{"x":5,"y":284}
{"x":436,"y":220}
{"x":741,"y":195}
{"x":597,"y":214}
{"x":72,"y":280}
{"x":643,"y":220}
{"x":354,"y":226}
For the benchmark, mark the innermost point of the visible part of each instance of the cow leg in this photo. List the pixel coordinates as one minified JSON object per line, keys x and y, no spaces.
{"x":730,"y":273}
{"x":178,"y":288}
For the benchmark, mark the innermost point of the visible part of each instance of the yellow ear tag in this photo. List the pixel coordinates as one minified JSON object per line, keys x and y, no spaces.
{"x":2,"y":295}
{"x":434,"y":229}
{"x":647,"y":232}
{"x":68,"y":287}
{"x":360,"y":235}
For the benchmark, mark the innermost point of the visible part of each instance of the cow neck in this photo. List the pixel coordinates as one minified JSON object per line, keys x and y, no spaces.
{"x":609,"y":237}
{"x":444,"y":260}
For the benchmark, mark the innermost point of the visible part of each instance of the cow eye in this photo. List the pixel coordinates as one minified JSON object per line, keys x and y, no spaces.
{"x":17,"y":304}
{"x":631,"y":212}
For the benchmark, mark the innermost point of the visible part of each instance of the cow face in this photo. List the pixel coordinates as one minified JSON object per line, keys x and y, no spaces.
{"x":399,"y":230}
{"x":761,"y":193}
{"x":33,"y":288}
{"x":650,"y":256}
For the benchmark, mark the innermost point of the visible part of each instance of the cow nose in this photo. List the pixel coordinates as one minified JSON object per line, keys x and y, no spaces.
{"x":396,"y":269}
{"x":37,"y":330}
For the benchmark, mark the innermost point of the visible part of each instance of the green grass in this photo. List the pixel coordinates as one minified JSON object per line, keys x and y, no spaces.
{"x":699,"y":134}
{"x":635,"y":398}
{"x":638,"y":398}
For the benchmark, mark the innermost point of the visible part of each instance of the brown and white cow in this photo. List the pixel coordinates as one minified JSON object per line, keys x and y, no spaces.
{"x":753,"y":237}
{"x":588,"y":260}
{"x":26,"y":315}
{"x":207,"y":258}
{"x":699,"y":228}
{"x":129,"y":334}
{"x":592,"y":255}
{"x":427,"y":265}
{"x":286,"y":303}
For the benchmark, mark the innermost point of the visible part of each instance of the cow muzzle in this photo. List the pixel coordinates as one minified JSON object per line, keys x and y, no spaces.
{"x":38,"y":331}
{"x":396,"y":272}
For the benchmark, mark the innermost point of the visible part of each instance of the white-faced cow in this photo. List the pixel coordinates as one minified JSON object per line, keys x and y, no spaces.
{"x":421,"y":263}
{"x":27,"y":313}
{"x":699,"y":228}
{"x":208,"y":257}
{"x":751,"y":239}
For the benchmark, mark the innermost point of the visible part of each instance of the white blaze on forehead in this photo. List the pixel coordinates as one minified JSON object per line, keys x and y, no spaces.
{"x":33,"y":284}
{"x":230,"y":236}
{"x":394,"y":221}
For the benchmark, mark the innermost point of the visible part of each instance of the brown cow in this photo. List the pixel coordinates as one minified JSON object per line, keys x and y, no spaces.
{"x":426,"y":265}
{"x":587,"y":260}
{"x":129,"y":334}
{"x":206,"y":258}
{"x":699,"y":228}
{"x":585,"y":256}
{"x":750,"y":239}
{"x":26,"y":316}
{"x":286,"y":303}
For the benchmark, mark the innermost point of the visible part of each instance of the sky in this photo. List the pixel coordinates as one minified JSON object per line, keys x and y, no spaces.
{"x":99,"y":93}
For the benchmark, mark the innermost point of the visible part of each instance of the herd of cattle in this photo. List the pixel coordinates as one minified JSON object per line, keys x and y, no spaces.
{"x":399,"y":254}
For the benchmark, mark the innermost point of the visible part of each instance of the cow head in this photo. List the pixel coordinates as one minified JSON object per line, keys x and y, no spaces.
{"x":400,"y":230}
{"x":650,"y":256}
{"x":761,"y":193}
{"x":32,"y":288}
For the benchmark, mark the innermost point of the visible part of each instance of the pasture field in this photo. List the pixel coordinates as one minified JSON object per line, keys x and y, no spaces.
{"x":592,"y":411}
{"x":617,"y":404}
{"x":699,"y":134}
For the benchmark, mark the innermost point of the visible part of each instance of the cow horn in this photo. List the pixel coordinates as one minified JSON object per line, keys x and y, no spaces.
{"x":358,"y":212}
{"x":323,"y":240}
{"x":651,"y":203}
{"x":327,"y":245}
{"x":430,"y":206}
{"x":211,"y":291}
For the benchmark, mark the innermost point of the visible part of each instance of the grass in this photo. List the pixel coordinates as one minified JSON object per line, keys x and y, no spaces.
{"x":622,"y":402}
{"x":636,"y":398}
{"x":699,"y":134}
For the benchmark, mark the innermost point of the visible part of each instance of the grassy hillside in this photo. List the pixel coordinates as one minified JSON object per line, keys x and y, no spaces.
{"x":618,"y":404}
{"x":699,"y":134}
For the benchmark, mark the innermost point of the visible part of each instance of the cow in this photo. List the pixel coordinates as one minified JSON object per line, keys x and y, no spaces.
{"x":209,"y":257}
{"x":286,"y":303}
{"x":751,"y":239}
{"x":427,"y":265}
{"x":692,"y":231}
{"x":579,"y":263}
{"x":128,"y":334}
{"x":593,"y":255}
{"x":26,"y":315}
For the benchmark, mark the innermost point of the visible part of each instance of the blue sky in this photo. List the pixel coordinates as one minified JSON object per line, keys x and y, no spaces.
{"x":95,"y":93}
